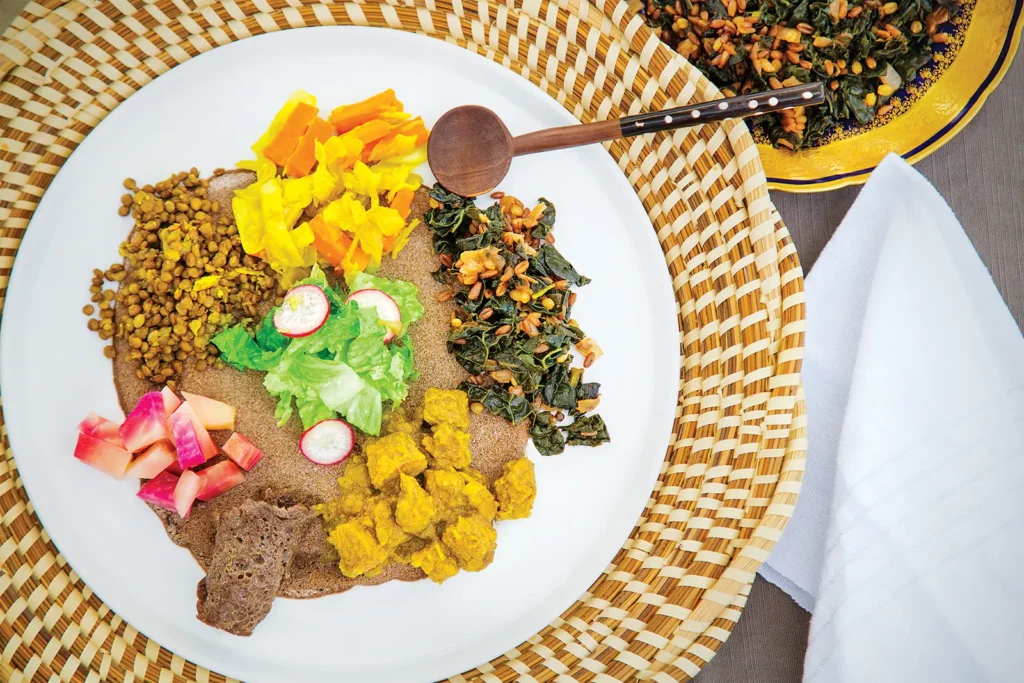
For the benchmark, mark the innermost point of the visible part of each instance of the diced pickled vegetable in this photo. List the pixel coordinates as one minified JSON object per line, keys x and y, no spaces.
{"x":153,"y":461}
{"x":190,"y":453}
{"x":146,"y":424}
{"x":242,"y":451}
{"x":159,"y":491}
{"x":211,"y":413}
{"x":101,"y":428}
{"x":185,"y":492}
{"x":102,"y":455}
{"x":171,"y":400}
{"x":216,"y":479}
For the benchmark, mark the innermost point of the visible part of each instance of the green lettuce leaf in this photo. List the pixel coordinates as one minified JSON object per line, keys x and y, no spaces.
{"x":241,"y":352}
{"x":313,"y":410}
{"x":332,"y":383}
{"x":267,"y":335}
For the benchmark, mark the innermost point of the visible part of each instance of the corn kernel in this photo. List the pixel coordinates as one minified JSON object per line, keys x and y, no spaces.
{"x":885,"y":90}
{"x":916,"y":26}
{"x":870,"y":99}
{"x":890,"y":8}
{"x":870,"y":62}
{"x":856,"y":67}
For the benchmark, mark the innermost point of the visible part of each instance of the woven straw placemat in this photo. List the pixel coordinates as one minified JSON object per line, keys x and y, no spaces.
{"x":731,"y":476}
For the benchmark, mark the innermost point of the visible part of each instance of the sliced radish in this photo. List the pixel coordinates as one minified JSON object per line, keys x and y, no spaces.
{"x":185,"y":492}
{"x":146,"y":424}
{"x":212,"y":414}
{"x":216,"y":479}
{"x":206,"y":444}
{"x":102,"y":455}
{"x":387,"y":309}
{"x":242,"y":451}
{"x":171,"y":400}
{"x":304,"y":311}
{"x":159,"y":491}
{"x":153,"y":461}
{"x":101,"y":428}
{"x":328,"y":442}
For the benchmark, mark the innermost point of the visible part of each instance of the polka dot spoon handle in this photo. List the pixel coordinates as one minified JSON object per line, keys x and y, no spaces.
{"x":670,"y":119}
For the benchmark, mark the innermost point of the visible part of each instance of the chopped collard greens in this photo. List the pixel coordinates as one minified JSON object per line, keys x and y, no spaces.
{"x":513,"y":330}
{"x":864,"y":50}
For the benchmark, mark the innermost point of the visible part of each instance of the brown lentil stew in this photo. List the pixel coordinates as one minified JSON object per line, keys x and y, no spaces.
{"x":184,"y":278}
{"x":513,"y":330}
{"x":864,"y":50}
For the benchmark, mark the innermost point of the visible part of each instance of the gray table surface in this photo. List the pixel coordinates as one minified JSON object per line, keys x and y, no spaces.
{"x":979,"y":174}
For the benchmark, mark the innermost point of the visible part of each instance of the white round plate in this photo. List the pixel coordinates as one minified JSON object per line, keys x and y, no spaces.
{"x":206,"y":113}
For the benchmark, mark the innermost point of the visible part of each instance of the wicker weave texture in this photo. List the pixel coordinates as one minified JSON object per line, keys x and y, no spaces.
{"x":732,"y":473}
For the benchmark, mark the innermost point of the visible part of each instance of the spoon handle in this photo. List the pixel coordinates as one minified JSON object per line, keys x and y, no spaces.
{"x":719,"y":110}
{"x":669,"y":119}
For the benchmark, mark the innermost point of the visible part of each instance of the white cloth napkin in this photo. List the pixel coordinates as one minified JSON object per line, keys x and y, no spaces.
{"x":907,"y":543}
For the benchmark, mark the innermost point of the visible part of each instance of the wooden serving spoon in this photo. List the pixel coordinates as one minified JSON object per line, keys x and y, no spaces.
{"x":470,"y":150}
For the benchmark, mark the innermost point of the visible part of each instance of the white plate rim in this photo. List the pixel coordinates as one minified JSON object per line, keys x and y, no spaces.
{"x":20,"y":273}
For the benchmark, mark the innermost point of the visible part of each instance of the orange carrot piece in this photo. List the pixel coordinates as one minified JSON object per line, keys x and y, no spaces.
{"x":371,"y":131}
{"x":326,"y":242}
{"x":360,"y":259}
{"x":415,"y":127}
{"x":383,"y":147}
{"x":302,"y":160}
{"x":284,"y":143}
{"x":402,"y":203}
{"x":333,"y":244}
{"x":348,"y":116}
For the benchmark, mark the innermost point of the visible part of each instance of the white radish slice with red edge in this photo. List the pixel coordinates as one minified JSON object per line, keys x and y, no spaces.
{"x":328,"y":442}
{"x":303,"y":312}
{"x":387,"y":309}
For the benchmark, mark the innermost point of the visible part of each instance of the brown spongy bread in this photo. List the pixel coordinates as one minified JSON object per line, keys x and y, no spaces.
{"x":253,"y":548}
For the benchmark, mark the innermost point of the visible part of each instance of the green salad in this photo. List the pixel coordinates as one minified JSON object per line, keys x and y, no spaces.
{"x":345,"y":368}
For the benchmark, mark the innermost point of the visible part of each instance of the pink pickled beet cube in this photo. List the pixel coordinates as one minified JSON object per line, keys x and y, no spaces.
{"x":190,"y":453}
{"x":101,"y":428}
{"x":153,"y":461}
{"x":185,"y":492}
{"x":102,"y":455}
{"x":218,"y":478}
{"x":206,"y":443}
{"x":146,"y":424}
{"x":171,"y":400}
{"x":159,"y":491}
{"x":242,"y":451}
{"x":212,"y":414}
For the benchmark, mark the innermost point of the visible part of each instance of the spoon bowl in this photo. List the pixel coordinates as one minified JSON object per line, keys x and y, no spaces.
{"x":470,"y":150}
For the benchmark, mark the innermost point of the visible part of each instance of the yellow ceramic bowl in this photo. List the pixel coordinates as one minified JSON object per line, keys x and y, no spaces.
{"x":952,"y":92}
